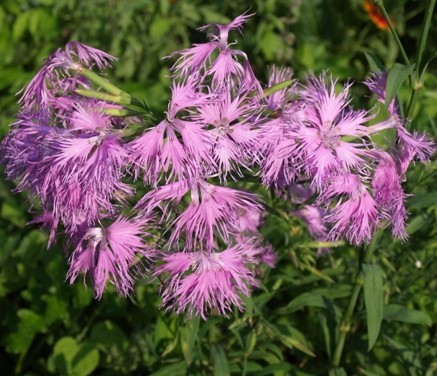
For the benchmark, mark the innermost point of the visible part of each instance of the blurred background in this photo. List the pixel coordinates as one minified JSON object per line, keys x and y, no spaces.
{"x":48,"y":327}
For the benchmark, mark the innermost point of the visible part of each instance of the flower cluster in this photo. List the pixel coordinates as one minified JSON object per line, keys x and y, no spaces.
{"x":80,"y":145}
{"x":318,"y":146}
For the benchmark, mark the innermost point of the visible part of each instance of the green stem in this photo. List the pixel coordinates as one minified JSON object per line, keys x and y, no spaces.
{"x":282,"y":85}
{"x":424,"y":35}
{"x":417,"y":85}
{"x":346,"y":321}
{"x":104,"y":96}
{"x":381,"y":6}
{"x":120,"y":112}
{"x":125,"y":101}
{"x":102,"y":82}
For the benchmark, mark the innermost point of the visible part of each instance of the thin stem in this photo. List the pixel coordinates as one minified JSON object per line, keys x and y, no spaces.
{"x":102,"y":82}
{"x":424,"y":35}
{"x":346,"y":321}
{"x":282,"y":85}
{"x":122,"y":100}
{"x":380,"y":4}
{"x":417,"y":85}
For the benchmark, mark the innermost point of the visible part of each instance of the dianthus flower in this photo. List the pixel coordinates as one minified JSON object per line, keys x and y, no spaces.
{"x":107,"y":254}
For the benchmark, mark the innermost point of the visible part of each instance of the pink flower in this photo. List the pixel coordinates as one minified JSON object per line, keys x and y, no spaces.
{"x":389,"y":194}
{"x":234,"y":141}
{"x":355,"y":214}
{"x":330,"y":120}
{"x":212,"y":210}
{"x":53,"y":76}
{"x":201,"y":283}
{"x":107,"y":255}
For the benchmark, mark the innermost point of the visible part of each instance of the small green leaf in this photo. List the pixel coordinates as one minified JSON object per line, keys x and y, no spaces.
{"x":396,"y":77}
{"x":86,"y":359}
{"x":250,"y":344}
{"x":397,"y":312}
{"x":159,"y":27}
{"x":422,"y":200}
{"x":374,"y":63}
{"x":175,"y":369}
{"x":273,"y":369}
{"x":293,"y":343}
{"x":306,"y":299}
{"x":63,"y":353}
{"x":20,"y":26}
{"x":108,"y":336}
{"x":374,"y":300}
{"x":220,"y":362}
{"x":337,"y":372}
{"x":188,"y":336}
{"x":29,"y":324}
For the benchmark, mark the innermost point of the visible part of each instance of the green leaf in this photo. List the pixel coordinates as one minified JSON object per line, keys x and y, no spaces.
{"x":274,"y":368}
{"x":374,"y":63}
{"x":159,"y":27}
{"x":188,"y":338}
{"x":175,"y":369}
{"x":306,"y":299}
{"x":337,"y":372}
{"x":396,"y":77}
{"x":85,"y":360}
{"x":250,"y":343}
{"x":29,"y":324}
{"x":63,"y":353}
{"x":20,"y":26}
{"x":374,"y":300}
{"x":108,"y":336}
{"x":56,"y":309}
{"x":294,"y":343}
{"x":397,"y":312}
{"x":270,"y":44}
{"x":422,"y":200}
{"x":220,"y":362}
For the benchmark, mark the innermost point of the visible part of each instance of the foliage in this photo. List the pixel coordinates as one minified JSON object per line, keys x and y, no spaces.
{"x":291,"y":323}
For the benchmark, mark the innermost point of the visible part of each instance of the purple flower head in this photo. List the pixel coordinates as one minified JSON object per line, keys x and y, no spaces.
{"x":234,"y":137}
{"x":314,"y":219}
{"x":203,"y":283}
{"x":321,"y":137}
{"x":212,"y":210}
{"x":75,"y":173}
{"x":353,"y":212}
{"x":249,"y":219}
{"x":86,"y":176}
{"x":300,"y":193}
{"x":193,"y":59}
{"x":377,"y":83}
{"x":53,"y":75}
{"x":185,"y":94}
{"x":107,"y":255}
{"x":228,"y":67}
{"x":412,"y":146}
{"x":223,"y":30}
{"x":173,"y":150}
{"x":389,"y":194}
{"x":268,"y":256}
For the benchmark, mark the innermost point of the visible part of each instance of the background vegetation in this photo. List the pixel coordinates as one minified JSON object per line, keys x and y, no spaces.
{"x":290,"y":325}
